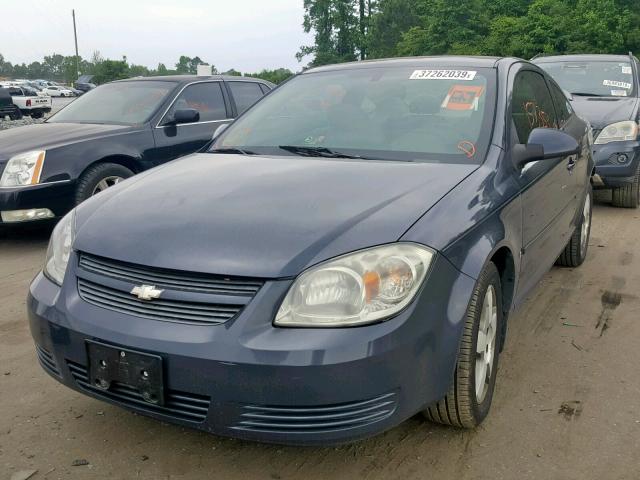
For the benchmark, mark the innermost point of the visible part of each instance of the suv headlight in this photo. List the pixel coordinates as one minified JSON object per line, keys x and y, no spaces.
{"x":23,"y":169}
{"x":59,"y":249}
{"x":618,"y":132}
{"x":356,"y":289}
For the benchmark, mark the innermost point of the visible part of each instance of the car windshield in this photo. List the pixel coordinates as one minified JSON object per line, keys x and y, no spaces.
{"x":602,"y":79}
{"x":438,"y":114}
{"x":120,"y":103}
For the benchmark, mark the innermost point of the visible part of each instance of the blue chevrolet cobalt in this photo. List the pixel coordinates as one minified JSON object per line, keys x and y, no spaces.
{"x":345,"y":255}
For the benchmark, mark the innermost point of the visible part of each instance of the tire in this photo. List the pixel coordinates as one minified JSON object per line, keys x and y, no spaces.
{"x":37,"y":114}
{"x":629,"y":195}
{"x":575,"y":252}
{"x":90,"y":182}
{"x":467,"y":405}
{"x":17,"y":115}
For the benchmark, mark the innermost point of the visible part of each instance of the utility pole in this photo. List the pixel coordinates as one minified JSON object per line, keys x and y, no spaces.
{"x":75,"y":36}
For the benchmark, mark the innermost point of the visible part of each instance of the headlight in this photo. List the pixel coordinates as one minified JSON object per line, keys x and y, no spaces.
{"x":60,"y":248}
{"x":618,"y":132}
{"x":356,"y":289}
{"x":23,"y":169}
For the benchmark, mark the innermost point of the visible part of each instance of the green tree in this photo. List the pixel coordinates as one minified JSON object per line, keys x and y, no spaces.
{"x":188,"y":65}
{"x":387,"y":25}
{"x":276,"y":76}
{"x":446,"y":27}
{"x":336,"y":28}
{"x":109,"y":70}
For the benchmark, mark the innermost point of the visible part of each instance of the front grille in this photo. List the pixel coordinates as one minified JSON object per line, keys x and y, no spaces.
{"x":180,"y":405}
{"x":172,"y":279}
{"x":316,"y":419}
{"x":166,"y":310}
{"x":47,"y":361}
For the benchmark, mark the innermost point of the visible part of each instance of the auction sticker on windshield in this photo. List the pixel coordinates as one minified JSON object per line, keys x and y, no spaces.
{"x":443,"y":75}
{"x":615,"y":83}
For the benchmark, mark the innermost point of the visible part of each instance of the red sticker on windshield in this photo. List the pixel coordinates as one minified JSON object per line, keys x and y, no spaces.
{"x":463,"y":98}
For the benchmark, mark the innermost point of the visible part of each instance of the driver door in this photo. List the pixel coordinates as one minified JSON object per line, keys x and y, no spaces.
{"x":173,"y":141}
{"x":547,"y":186}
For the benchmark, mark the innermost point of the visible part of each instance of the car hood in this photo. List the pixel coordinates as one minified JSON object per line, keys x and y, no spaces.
{"x":51,"y":135}
{"x":603,"y":111}
{"x":267,"y":217}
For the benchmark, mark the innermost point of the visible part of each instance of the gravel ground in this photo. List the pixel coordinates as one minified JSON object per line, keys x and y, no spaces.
{"x":566,"y":404}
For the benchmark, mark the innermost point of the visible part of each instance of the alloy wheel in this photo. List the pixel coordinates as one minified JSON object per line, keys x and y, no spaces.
{"x":486,"y":343}
{"x":586,"y":225}
{"x":106,"y":183}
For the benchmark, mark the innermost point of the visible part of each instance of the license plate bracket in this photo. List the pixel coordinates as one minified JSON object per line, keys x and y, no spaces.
{"x":142,"y":371}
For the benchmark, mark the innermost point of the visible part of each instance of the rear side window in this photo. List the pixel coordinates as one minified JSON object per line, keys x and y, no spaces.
{"x":532,"y":106}
{"x":563,"y":107}
{"x":205,"y":97}
{"x":245,"y":94}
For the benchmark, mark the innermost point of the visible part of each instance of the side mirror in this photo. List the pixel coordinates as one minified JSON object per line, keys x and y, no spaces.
{"x":186,"y":115}
{"x":544,"y":144}
{"x":219,"y":130}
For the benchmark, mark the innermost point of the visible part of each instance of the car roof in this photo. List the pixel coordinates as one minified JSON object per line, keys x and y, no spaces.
{"x":194,"y":78}
{"x":450,"y":60}
{"x":582,"y":58}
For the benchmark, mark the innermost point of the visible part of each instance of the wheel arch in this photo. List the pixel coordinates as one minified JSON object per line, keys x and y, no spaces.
{"x":126,"y":161}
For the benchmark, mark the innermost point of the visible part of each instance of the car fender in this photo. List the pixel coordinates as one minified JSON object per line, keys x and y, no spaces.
{"x":67,"y":162}
{"x":491,"y":223}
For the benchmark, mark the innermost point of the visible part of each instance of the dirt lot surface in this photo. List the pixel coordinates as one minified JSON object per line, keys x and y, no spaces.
{"x":567,"y":405}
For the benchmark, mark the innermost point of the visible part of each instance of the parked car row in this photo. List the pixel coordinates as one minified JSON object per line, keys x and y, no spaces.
{"x":29,"y":101}
{"x":605,"y":90}
{"x":343,"y":253}
{"x":110,"y":134}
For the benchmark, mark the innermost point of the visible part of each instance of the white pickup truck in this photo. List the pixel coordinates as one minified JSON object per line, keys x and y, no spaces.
{"x":29,"y":102}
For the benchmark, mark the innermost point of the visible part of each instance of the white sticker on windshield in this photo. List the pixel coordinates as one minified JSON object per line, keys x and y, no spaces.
{"x":443,"y":75}
{"x":627,"y":70}
{"x":618,"y":93}
{"x":615,"y":83}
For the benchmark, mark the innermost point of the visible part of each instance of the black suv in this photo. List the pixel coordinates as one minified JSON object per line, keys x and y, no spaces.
{"x":7,"y":108}
{"x":605,"y":90}
{"x":111,"y":133}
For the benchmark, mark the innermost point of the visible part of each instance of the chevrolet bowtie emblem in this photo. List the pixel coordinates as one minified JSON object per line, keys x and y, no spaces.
{"x":146,"y":292}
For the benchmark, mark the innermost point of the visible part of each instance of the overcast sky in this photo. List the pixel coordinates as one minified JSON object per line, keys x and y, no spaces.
{"x":247,"y":35}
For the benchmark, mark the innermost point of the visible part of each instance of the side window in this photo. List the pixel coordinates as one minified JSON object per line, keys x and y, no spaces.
{"x":245,"y":94}
{"x":264,"y":88}
{"x":205,"y":97}
{"x":563,"y":107}
{"x":531,"y":105}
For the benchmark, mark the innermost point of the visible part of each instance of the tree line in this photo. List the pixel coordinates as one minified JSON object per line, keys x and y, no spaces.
{"x":63,"y":69}
{"x":348,"y":30}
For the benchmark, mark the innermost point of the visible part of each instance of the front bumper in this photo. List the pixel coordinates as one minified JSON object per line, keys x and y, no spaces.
{"x":55,"y":196}
{"x":249,"y":380}
{"x":613,"y":172}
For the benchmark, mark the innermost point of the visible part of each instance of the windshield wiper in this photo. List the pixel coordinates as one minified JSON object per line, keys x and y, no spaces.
{"x":586,"y":94}
{"x":232,"y":150}
{"x":317,"y":152}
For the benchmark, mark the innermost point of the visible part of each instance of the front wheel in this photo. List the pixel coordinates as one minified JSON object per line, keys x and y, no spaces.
{"x":469,"y":398}
{"x":627,"y":196}
{"x":100,"y":177}
{"x":575,"y":252}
